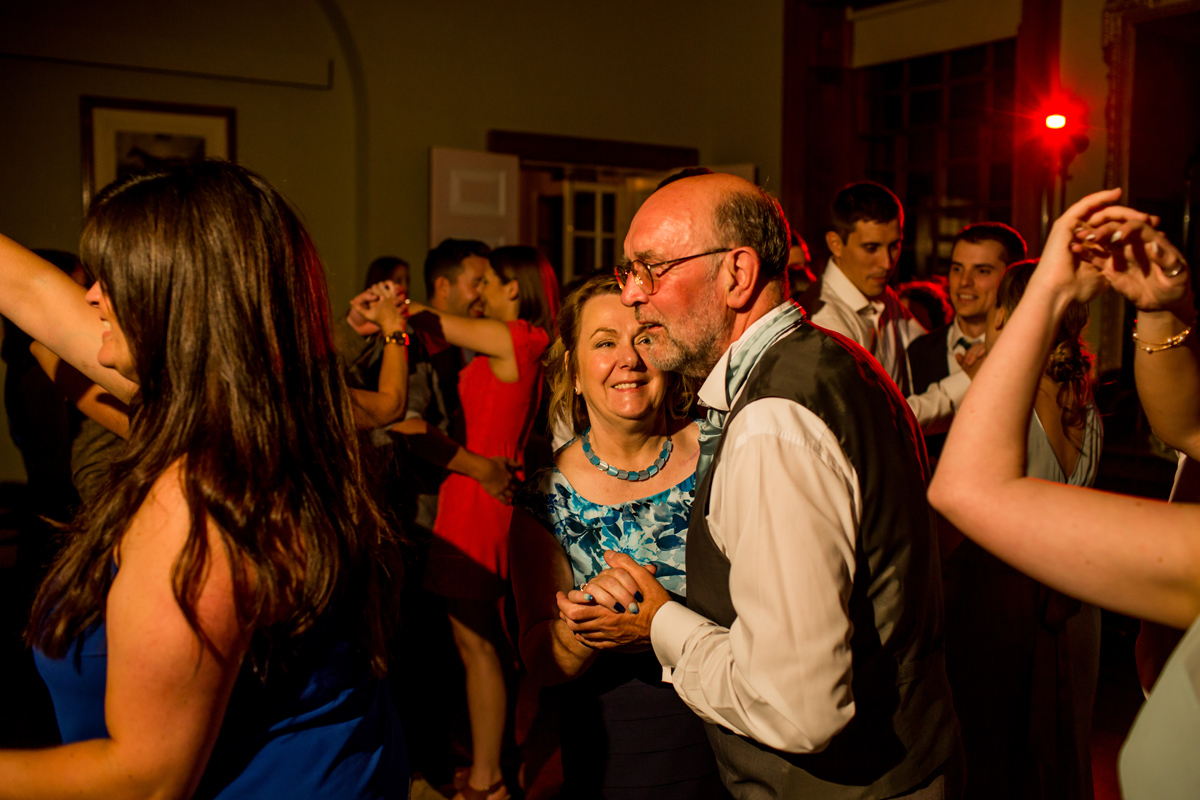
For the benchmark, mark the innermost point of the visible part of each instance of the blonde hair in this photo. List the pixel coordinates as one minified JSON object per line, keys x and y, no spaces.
{"x":562,"y":361}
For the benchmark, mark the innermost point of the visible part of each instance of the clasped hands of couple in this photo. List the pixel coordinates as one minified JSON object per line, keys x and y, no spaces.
{"x":1096,"y":245}
{"x":614,"y":609}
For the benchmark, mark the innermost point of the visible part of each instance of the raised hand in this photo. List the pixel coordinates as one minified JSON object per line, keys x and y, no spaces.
{"x":386,"y":311}
{"x":1063,"y":267}
{"x":1137,"y":259}
{"x":357,"y":318}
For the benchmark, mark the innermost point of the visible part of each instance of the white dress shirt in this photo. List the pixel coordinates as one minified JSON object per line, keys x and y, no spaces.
{"x":885,"y":328}
{"x":784,"y":509}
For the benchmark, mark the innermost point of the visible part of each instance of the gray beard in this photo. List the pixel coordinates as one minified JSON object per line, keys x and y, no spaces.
{"x":696,"y":361}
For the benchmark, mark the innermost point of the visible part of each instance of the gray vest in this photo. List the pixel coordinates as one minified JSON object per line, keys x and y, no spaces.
{"x":904,"y":727}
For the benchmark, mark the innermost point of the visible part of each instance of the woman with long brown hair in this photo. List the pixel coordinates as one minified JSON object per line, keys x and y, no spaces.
{"x":468,"y":557}
{"x":1023,"y":659}
{"x":217,"y":624}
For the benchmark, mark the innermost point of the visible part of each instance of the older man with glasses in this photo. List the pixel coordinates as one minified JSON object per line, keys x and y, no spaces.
{"x":811,"y":640}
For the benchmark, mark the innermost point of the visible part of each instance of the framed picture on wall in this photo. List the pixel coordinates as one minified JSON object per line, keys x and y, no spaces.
{"x":121,"y":136}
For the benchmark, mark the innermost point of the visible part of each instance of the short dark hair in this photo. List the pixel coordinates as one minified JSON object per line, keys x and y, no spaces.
{"x":381,"y":269}
{"x":752,"y":218}
{"x":1011,"y":242}
{"x":445,"y":260}
{"x":868,"y":201}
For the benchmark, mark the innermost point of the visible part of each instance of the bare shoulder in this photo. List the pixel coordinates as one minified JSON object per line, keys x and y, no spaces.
{"x":151,"y":548}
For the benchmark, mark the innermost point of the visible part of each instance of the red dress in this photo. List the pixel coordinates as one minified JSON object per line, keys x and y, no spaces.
{"x":468,"y":557}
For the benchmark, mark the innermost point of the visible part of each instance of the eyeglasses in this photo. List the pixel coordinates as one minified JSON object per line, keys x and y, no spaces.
{"x":644,"y":273}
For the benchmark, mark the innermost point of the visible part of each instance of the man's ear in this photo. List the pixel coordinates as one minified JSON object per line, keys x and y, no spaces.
{"x":835,"y":245}
{"x":441,"y":287}
{"x":743,"y":268}
{"x":1000,"y":320}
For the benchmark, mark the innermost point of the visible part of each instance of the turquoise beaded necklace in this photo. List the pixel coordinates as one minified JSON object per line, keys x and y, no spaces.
{"x":624,"y":474}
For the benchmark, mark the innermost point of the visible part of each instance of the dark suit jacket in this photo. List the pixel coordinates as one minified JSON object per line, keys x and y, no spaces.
{"x":927,"y":359}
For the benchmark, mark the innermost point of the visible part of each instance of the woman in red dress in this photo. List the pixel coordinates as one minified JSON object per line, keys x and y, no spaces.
{"x":468,"y":558}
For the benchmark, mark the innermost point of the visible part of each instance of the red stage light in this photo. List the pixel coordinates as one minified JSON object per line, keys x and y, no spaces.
{"x":1056,"y":121}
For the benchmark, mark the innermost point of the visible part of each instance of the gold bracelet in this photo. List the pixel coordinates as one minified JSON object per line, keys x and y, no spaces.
{"x":1158,"y":347}
{"x":396,"y":337}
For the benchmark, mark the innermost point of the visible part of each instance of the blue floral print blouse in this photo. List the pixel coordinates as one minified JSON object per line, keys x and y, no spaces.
{"x":652,"y":530}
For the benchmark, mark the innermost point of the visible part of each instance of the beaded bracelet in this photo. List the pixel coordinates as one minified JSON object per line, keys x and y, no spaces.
{"x":1158,"y":347}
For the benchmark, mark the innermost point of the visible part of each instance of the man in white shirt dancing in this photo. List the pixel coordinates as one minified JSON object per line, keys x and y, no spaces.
{"x":811,"y":639}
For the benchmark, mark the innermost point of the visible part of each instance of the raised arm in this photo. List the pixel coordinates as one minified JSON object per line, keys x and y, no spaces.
{"x":540,"y":572}
{"x":45,"y":303}
{"x":386,"y":404}
{"x":487,"y":336}
{"x":166,"y":692}
{"x":1150,"y":272}
{"x":1135,"y":556}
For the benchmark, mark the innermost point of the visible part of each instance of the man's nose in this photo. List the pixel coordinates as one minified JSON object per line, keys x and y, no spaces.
{"x":631,"y":293}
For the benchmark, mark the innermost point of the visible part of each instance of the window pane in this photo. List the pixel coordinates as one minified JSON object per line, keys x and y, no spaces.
{"x":920,"y":188}
{"x":971,"y":61}
{"x":1002,"y":92}
{"x":883,"y":152}
{"x":1002,"y":141}
{"x":585,"y":211}
{"x":607,"y":262}
{"x":1000,"y":183}
{"x":968,"y":101}
{"x":585,"y":255}
{"x":926,"y":70}
{"x":964,"y":141}
{"x":962,"y":182}
{"x":608,"y":212}
{"x":922,"y":147}
{"x":925,"y":108}
{"x":886,"y":76}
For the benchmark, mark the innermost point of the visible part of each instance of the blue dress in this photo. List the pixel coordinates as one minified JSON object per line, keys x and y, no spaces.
{"x":648,"y":743}
{"x":325,"y":728}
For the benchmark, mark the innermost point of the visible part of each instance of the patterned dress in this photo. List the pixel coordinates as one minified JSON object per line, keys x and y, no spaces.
{"x":648,"y":743}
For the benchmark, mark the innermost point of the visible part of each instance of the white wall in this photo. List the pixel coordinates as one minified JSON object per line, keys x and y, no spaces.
{"x":407,"y":76}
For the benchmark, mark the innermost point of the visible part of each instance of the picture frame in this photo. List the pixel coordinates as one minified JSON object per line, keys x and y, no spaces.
{"x":119,"y":136}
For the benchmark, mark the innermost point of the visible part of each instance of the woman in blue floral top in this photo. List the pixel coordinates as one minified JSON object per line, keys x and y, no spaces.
{"x":625,"y":483}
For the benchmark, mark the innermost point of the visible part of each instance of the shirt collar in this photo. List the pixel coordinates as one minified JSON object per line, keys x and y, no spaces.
{"x":712,"y":393}
{"x":955,"y":333}
{"x":847,"y":292}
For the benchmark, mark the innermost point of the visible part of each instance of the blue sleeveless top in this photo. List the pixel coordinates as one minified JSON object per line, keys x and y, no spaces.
{"x":328,"y":729}
{"x":652,"y":530}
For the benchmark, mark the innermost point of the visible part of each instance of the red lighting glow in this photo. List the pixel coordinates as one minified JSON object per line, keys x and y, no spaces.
{"x":1056,"y":121}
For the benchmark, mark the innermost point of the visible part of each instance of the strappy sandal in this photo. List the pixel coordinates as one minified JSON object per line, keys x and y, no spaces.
{"x":496,"y":791}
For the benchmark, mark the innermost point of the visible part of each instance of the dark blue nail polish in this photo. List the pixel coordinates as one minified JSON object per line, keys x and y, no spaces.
{"x":588,"y":598}
{"x":638,"y":596}
{"x":617,"y":607}
{"x":633,"y":608}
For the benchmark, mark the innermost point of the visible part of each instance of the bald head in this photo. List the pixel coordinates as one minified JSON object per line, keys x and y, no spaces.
{"x":730,"y":211}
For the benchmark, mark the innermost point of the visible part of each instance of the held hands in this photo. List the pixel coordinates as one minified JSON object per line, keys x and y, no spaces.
{"x":387,"y":310}
{"x":499,"y":478}
{"x":615,"y":608}
{"x":1137,"y":259}
{"x":369,"y":312}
